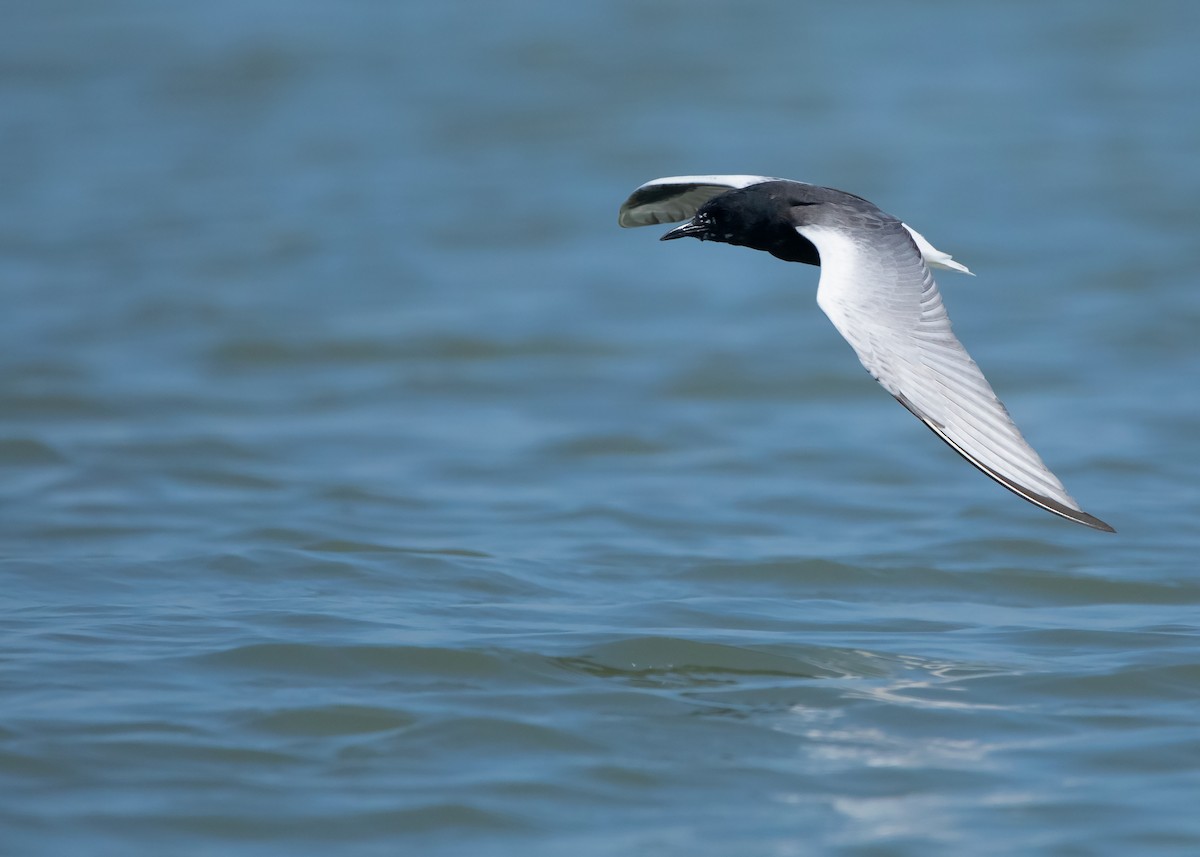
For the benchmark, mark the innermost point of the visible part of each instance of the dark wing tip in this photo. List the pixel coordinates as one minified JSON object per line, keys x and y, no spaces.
{"x":1091,"y":521}
{"x":1077,"y":515}
{"x":1050,"y":505}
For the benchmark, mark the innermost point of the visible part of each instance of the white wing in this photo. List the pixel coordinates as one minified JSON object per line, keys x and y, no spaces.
{"x":676,"y":198}
{"x":880,"y":295}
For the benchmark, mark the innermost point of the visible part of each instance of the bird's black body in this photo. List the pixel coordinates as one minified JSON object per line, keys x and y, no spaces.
{"x":765,"y":216}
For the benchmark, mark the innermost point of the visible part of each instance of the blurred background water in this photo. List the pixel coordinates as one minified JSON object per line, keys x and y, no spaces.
{"x":366,"y":490}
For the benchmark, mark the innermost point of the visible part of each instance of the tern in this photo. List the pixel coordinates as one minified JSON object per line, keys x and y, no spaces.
{"x":877,"y":288}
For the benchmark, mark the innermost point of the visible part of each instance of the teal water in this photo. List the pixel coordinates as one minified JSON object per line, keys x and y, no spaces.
{"x":364,"y":489}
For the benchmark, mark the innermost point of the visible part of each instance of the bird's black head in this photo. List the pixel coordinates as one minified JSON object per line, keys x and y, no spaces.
{"x":762,"y":217}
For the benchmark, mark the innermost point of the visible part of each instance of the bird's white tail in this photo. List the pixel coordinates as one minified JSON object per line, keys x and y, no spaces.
{"x":934,"y":257}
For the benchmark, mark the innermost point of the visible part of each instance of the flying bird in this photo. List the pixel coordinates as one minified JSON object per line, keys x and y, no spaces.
{"x":877,"y":288}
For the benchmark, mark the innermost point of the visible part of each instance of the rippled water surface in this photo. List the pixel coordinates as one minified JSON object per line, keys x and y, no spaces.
{"x":365,"y":490}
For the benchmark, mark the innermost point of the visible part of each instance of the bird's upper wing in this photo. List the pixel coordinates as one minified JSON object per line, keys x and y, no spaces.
{"x":880,"y":295}
{"x":676,"y":198}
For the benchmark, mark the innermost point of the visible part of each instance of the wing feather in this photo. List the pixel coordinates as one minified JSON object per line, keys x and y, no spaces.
{"x":676,"y":198}
{"x":881,"y":296}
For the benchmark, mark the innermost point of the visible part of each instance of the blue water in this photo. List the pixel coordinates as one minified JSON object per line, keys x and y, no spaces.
{"x":365,"y":490}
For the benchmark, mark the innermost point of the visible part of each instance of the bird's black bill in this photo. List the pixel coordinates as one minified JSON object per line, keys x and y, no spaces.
{"x":691,"y":229}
